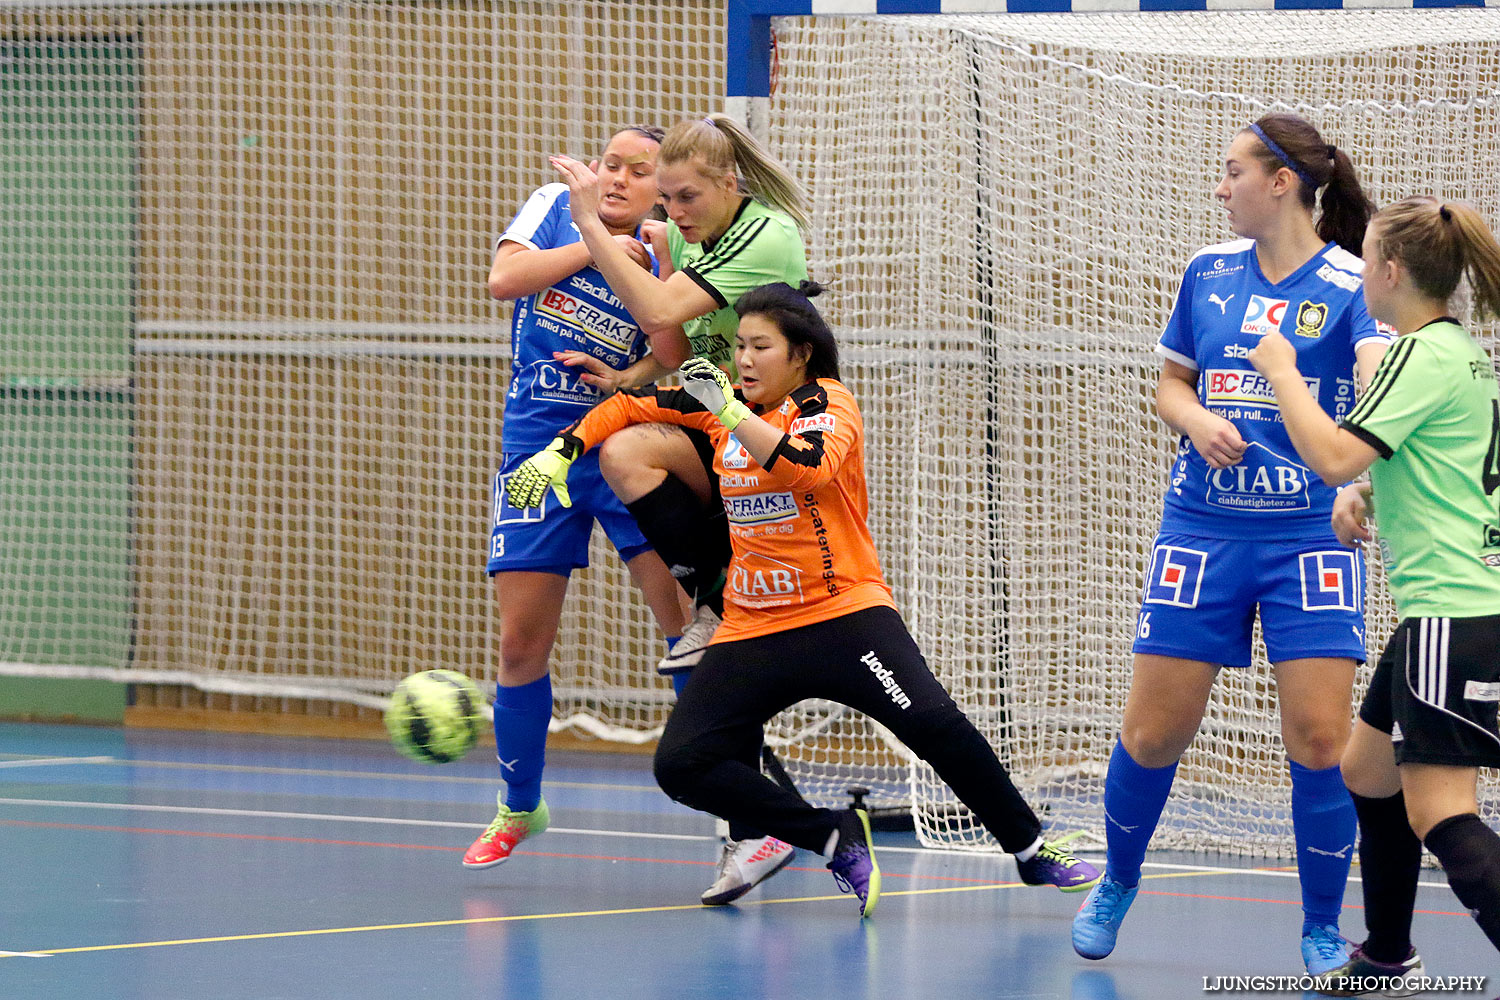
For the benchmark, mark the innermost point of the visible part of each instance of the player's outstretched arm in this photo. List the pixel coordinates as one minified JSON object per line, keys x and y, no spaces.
{"x":660,"y":307}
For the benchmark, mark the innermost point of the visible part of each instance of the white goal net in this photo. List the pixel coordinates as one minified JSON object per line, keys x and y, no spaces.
{"x":1004,"y":205}
{"x":251,"y":384}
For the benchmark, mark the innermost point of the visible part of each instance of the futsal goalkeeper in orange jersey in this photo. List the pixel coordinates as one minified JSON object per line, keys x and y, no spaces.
{"x":807,"y":612}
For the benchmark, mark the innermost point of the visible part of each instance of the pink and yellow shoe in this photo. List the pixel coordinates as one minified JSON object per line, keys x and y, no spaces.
{"x":500,"y":838}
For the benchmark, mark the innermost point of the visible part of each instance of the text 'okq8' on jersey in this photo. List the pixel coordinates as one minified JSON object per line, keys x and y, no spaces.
{"x":578,"y":313}
{"x":1224,"y":307}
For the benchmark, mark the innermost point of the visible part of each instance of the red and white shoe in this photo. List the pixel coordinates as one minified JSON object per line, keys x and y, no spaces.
{"x":500,"y":838}
{"x":745,"y":864}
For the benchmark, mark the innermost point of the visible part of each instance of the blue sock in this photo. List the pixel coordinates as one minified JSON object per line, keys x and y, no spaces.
{"x":679,"y":679}
{"x":1323,"y":820}
{"x":521,"y":718}
{"x":1134,"y":797}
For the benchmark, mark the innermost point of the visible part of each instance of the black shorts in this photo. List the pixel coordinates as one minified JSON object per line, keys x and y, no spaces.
{"x":1436,"y":690}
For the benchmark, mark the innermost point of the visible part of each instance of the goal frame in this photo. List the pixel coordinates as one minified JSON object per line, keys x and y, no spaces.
{"x":748,"y":35}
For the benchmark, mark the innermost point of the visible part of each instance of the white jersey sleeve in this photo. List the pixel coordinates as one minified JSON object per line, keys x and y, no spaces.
{"x":534,"y":227}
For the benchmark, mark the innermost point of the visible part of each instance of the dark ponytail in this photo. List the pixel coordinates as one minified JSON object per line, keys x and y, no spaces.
{"x":798,"y":321}
{"x":1290,"y":141}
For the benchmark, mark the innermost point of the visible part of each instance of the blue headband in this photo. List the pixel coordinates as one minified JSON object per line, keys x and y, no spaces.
{"x":1280,"y":154}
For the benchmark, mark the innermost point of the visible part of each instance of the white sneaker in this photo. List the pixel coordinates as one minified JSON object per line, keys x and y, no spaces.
{"x":744,"y":865}
{"x":695,"y":638}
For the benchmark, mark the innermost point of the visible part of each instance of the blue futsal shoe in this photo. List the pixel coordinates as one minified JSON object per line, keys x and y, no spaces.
{"x":1324,"y":949}
{"x":1097,"y":924}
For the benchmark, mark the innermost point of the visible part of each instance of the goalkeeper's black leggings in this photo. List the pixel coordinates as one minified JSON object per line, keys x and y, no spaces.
{"x":866,"y":660}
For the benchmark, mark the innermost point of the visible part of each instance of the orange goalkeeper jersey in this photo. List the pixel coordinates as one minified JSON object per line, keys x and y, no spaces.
{"x":802,"y":548}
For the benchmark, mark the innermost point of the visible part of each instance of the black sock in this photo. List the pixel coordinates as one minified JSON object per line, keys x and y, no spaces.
{"x":692,"y":540}
{"x":1470,"y":853}
{"x":1390,"y":861}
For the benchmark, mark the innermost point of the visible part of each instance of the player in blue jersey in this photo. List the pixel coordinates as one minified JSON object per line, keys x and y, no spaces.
{"x":1429,"y":432}
{"x":1245,"y":525}
{"x":563,"y":303}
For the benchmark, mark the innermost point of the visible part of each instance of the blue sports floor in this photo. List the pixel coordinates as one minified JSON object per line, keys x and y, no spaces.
{"x":149,"y":865}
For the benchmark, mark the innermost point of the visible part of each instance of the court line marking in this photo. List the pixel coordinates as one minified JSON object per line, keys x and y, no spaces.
{"x":628,"y":911}
{"x":449,"y":779}
{"x":24,"y":954}
{"x":1266,"y":871}
{"x":330,"y":817}
{"x":46,"y":761}
{"x":435,"y":823}
{"x":1186,"y":870}
{"x":180,"y":765}
{"x":454,"y":849}
{"x":454,"y":779}
{"x":515,"y":918}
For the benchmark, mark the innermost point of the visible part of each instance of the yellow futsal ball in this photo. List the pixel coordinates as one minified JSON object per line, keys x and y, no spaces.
{"x":434,"y":716}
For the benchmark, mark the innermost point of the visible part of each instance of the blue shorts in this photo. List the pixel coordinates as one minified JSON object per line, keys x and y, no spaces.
{"x":554,"y":538}
{"x":1201,"y":595}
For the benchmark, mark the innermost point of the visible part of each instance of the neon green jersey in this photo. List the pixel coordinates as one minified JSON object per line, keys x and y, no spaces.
{"x":1433,"y":413}
{"x":760,"y":246}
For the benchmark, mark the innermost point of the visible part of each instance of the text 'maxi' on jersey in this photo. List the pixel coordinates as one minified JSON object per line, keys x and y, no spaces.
{"x":802,"y":546}
{"x":1224,"y":307}
{"x":579,"y":313}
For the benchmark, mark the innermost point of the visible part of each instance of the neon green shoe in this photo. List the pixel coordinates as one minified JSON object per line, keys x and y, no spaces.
{"x":501,"y":837}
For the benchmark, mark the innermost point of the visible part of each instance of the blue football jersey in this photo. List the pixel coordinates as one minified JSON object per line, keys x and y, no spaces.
{"x":1224,"y":307}
{"x":579,"y":313}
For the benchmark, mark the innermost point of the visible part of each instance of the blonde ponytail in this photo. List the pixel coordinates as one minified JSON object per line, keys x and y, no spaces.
{"x":726,"y":148}
{"x":1481,"y":255}
{"x":1439,"y":242}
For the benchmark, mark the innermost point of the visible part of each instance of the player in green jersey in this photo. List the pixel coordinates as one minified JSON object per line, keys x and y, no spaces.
{"x":1428,"y":429}
{"x":736,"y":217}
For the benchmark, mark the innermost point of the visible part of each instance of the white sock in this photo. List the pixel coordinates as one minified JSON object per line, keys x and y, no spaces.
{"x":1030,"y":852}
{"x":833,"y":843}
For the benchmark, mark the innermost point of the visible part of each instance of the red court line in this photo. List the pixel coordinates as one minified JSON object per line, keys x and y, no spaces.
{"x":219,"y":835}
{"x":612,"y":857}
{"x":1283,"y":902}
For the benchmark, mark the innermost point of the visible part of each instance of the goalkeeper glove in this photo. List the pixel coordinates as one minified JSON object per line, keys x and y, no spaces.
{"x":707,"y":383}
{"x":528,"y":485}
